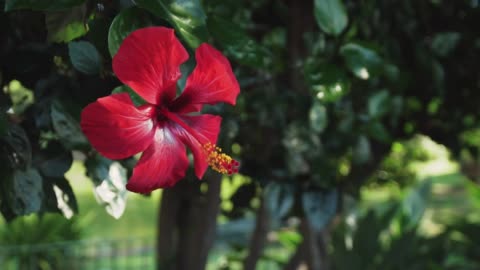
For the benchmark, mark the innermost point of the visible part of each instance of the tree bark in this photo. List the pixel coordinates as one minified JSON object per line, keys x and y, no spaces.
{"x":197,"y":231}
{"x":187,"y":224}
{"x":312,"y":252}
{"x":167,"y":227}
{"x":301,"y":20}
{"x":259,"y":237}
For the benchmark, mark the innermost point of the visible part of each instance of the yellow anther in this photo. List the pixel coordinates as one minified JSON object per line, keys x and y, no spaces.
{"x":219,"y":161}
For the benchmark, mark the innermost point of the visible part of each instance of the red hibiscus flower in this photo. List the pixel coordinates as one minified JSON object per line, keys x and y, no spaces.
{"x":149,"y":62}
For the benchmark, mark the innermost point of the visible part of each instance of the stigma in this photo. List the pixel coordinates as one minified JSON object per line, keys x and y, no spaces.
{"x":220,"y":161}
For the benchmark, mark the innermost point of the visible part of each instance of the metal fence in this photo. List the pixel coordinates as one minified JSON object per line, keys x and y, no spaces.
{"x":80,"y":255}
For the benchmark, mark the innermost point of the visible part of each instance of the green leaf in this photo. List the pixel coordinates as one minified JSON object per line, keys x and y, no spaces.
{"x":331,"y":16}
{"x":318,"y":117}
{"x":391,"y":72}
{"x":53,"y":161}
{"x":289,"y":239}
{"x":67,"y":128}
{"x":328,"y":82}
{"x":63,"y":196}
{"x":16,"y":147}
{"x":41,"y":4}
{"x":3,"y":123}
{"x":235,"y":232}
{"x":25,"y":192}
{"x":320,"y":207}
{"x":186,"y":68}
{"x":187,"y":16}
{"x":109,"y":178}
{"x":237,"y":44}
{"x":65,"y":26}
{"x":279,"y":199}
{"x":434,"y":105}
{"x":362,"y":61}
{"x":378,"y":104}
{"x":137,"y":100}
{"x":366,"y":237}
{"x":123,"y":24}
{"x":444,"y":43}
{"x":438,"y":75}
{"x":40,"y":229}
{"x":378,"y":131}
{"x":361,"y":151}
{"x":85,"y":57}
{"x":416,"y":201}
{"x":4,"y":105}
{"x":20,"y":96}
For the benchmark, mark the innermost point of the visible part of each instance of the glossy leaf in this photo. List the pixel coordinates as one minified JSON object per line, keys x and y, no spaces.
{"x":3,"y":123}
{"x":331,"y":16}
{"x":235,"y":232}
{"x":378,"y":131}
{"x":378,"y":104}
{"x":187,"y":16}
{"x":41,"y":4}
{"x":444,"y":43}
{"x":279,"y":199}
{"x":237,"y":44}
{"x":123,"y":24}
{"x":25,"y":193}
{"x":65,"y":26}
{"x":59,"y":196}
{"x":67,"y":128}
{"x":318,"y":117}
{"x":4,"y":105}
{"x":320,"y":207}
{"x":85,"y":57}
{"x":362,"y":61}
{"x":415,"y":203}
{"x":362,"y":152}
{"x":109,"y":178}
{"x":53,"y":161}
{"x":328,"y":82}
{"x":366,"y":236}
{"x":16,"y":147}
{"x":66,"y":201}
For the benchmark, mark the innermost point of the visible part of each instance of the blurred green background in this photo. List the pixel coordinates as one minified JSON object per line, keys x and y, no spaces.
{"x":357,"y":129}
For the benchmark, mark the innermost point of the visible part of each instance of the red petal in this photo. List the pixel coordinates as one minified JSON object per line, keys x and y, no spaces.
{"x":207,"y":126}
{"x":149,"y":62}
{"x":116,"y":128}
{"x":162,"y":165}
{"x":211,"y":81}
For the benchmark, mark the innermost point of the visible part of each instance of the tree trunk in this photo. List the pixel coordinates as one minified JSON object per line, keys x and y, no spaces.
{"x":312,"y":252}
{"x":301,"y":20}
{"x":259,"y":237}
{"x":187,"y":224}
{"x":167,"y":227}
